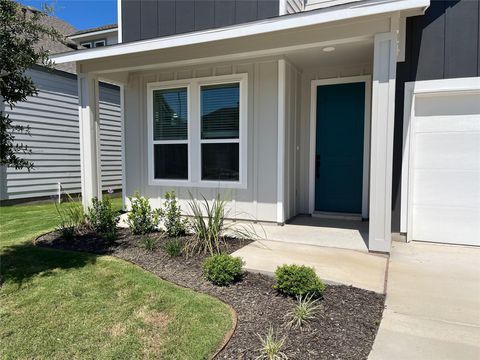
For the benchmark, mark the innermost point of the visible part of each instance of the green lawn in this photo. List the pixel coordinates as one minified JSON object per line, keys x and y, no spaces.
{"x":65,"y":305}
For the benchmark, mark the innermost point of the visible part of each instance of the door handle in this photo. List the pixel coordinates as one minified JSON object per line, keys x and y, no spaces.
{"x":317,"y":166}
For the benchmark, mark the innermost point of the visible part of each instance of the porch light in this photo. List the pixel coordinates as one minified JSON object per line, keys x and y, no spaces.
{"x":329,"y":49}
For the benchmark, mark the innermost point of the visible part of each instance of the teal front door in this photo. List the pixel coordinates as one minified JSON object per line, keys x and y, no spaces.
{"x":339,"y":147}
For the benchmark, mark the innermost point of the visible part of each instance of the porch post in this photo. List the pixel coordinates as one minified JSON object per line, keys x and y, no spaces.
{"x":282,"y":68}
{"x":383,"y":102}
{"x":88,"y":91}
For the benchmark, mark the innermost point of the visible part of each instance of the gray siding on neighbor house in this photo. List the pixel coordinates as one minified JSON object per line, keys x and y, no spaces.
{"x":54,"y":140}
{"x":146,"y":19}
{"x":442,"y":44}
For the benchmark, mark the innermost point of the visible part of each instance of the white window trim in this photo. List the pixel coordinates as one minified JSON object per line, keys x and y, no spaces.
{"x":99,"y":41}
{"x":194,"y":132}
{"x":87,"y":42}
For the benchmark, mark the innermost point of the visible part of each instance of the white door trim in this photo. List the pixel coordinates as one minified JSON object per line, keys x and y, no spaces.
{"x":367,"y":79}
{"x":412,"y":90}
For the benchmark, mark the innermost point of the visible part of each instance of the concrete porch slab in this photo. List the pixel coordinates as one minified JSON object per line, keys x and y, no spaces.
{"x":335,"y":233}
{"x":348,"y":267}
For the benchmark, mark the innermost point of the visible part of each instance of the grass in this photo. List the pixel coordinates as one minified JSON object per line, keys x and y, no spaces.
{"x":65,"y":305}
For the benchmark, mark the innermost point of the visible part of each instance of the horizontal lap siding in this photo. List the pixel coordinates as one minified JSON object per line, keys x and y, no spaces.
{"x":54,"y":140}
{"x":442,"y":44}
{"x":146,"y":19}
{"x":258,"y":201}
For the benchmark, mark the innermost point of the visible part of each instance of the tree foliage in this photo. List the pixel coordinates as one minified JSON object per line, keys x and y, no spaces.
{"x":20,"y":33}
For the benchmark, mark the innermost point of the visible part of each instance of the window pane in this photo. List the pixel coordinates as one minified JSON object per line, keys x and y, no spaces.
{"x":171,"y":161}
{"x":220,"y":162}
{"x":170,"y":114}
{"x":220,"y":111}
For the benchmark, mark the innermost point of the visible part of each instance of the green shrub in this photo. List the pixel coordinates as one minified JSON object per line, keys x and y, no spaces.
{"x":222,"y":269}
{"x":103,"y":218}
{"x":148,"y":242}
{"x":271,"y":347}
{"x":173,"y":247}
{"x":70,"y":217}
{"x":298,"y":280}
{"x":142,"y":219}
{"x":172,"y":220}
{"x":303,"y":312}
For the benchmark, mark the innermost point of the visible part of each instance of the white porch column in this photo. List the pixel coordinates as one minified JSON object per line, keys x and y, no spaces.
{"x":383,"y":104}
{"x":282,"y":68}
{"x":88,"y":100}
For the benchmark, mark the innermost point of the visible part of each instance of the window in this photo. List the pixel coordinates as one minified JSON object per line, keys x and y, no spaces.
{"x":220,"y":131}
{"x":198,"y":132}
{"x":87,"y":45}
{"x":99,"y":43}
{"x":170,"y":133}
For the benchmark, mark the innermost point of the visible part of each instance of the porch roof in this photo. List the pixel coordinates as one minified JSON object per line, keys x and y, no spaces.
{"x":282,"y":23}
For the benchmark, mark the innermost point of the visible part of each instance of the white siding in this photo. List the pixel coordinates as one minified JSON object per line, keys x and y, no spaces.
{"x":258,"y":200}
{"x":54,"y":140}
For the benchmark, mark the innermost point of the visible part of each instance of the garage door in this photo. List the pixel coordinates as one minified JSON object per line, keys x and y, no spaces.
{"x":444,"y":189}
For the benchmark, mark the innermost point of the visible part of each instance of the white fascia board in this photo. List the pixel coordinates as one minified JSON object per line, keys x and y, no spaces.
{"x":288,"y":22}
{"x":92,"y":33}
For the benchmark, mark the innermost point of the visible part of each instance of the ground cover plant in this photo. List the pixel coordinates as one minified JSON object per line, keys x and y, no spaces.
{"x":64,"y":305}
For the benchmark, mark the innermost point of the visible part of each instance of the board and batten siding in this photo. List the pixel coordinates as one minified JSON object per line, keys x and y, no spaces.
{"x":146,"y":19}
{"x":259,"y":200}
{"x":54,"y":138}
{"x":442,"y":44}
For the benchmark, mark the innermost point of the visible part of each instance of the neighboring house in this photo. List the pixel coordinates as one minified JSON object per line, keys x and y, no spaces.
{"x":53,"y":120}
{"x":365,"y":109}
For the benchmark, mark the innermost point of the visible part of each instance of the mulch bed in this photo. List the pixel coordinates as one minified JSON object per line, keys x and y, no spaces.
{"x":344,"y":328}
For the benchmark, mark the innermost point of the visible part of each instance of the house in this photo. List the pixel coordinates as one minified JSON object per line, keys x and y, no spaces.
{"x":363,"y":109}
{"x":53,"y":120}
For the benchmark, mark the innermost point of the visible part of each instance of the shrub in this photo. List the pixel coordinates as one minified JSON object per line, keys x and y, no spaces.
{"x":172,"y":220}
{"x":142,"y":219}
{"x":148,"y":242}
{"x":297,"y":280}
{"x":271,"y":347}
{"x":304,"y":311}
{"x":209,"y":228}
{"x":103,"y":218}
{"x":71,"y":217}
{"x":222,"y":269}
{"x":173,"y":247}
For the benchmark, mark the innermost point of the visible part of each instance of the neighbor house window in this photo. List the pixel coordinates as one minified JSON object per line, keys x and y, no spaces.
{"x":87,"y":45}
{"x":99,"y":43}
{"x":170,"y":133}
{"x":198,"y":132}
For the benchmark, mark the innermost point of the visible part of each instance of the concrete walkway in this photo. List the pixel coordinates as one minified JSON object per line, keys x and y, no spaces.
{"x":433,"y":304}
{"x":349,"y":267}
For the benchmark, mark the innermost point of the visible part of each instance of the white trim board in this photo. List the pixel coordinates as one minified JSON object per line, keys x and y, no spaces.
{"x":412,"y":90}
{"x":281,"y":23}
{"x":92,"y":33}
{"x":119,"y":21}
{"x":367,"y":79}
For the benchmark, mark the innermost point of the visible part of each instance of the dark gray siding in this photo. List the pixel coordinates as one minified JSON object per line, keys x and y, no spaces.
{"x":146,"y":19}
{"x":442,"y":44}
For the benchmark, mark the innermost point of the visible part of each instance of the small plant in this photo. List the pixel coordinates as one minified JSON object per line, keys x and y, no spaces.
{"x":222,"y":269}
{"x":209,"y":228}
{"x":71,"y":217}
{"x":304,"y":311}
{"x":298,"y":280}
{"x":148,"y":242}
{"x":142,"y":219}
{"x":271,"y":347}
{"x":172,"y":220}
{"x":103,"y":218}
{"x":173,"y":247}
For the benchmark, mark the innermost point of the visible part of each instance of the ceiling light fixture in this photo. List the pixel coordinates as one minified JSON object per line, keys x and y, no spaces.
{"x":329,"y":49}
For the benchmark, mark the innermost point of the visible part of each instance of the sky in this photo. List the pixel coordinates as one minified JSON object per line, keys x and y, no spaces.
{"x":82,"y":14}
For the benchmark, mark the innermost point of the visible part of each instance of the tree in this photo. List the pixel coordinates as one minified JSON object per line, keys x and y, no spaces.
{"x":20,"y":32}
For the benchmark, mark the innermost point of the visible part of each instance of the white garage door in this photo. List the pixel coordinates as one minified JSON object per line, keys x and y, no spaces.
{"x":444,"y":189}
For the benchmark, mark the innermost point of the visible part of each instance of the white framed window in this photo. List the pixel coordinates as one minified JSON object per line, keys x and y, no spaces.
{"x":99,"y":43}
{"x":87,"y":44}
{"x":198,"y":132}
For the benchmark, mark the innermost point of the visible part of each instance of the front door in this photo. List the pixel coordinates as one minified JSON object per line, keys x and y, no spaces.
{"x":339,"y":147}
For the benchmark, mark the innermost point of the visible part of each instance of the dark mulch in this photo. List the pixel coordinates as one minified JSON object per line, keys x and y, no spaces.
{"x":344,"y":328}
